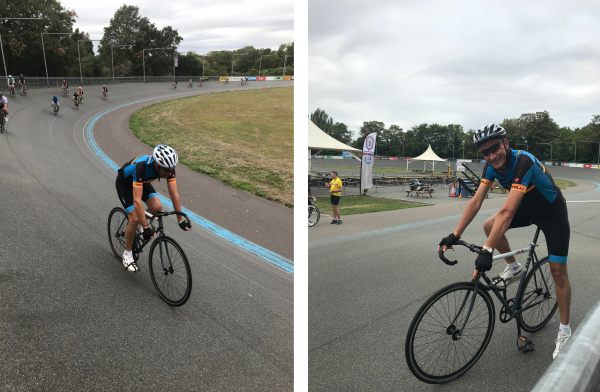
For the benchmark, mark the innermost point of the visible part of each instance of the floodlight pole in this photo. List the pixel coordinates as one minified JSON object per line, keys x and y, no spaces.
{"x":112,"y":63}
{"x":44,"y":51}
{"x":2,"y":47}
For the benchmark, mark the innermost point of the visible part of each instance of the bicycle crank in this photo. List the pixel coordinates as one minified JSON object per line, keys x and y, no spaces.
{"x":506,"y":313}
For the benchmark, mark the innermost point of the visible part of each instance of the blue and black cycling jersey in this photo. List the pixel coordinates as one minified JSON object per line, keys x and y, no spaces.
{"x":138,"y":173}
{"x":141,"y":170}
{"x":543,"y":204}
{"x":525,"y":173}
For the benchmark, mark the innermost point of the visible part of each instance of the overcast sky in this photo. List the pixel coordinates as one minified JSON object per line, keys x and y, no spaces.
{"x":467,"y":62}
{"x":205,"y":25}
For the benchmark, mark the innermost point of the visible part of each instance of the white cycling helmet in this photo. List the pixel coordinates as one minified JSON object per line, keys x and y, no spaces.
{"x":165,"y":156}
{"x":488,"y":132}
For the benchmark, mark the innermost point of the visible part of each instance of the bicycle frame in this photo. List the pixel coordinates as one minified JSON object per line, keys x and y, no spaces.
{"x":513,"y":310}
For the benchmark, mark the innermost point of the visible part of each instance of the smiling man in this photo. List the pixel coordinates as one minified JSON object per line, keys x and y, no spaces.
{"x":534,"y":198}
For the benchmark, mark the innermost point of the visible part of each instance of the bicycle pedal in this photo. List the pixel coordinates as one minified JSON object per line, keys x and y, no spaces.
{"x":524,"y":344}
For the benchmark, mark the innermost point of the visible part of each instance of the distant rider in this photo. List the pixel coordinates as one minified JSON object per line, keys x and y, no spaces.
{"x":56,"y":103}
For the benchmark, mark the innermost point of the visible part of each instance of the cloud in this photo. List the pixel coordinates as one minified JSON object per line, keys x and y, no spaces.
{"x":467,"y":62}
{"x":205,"y":25}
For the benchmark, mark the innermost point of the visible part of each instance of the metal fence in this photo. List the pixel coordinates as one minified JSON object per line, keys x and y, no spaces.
{"x":40,"y":81}
{"x":577,"y":367}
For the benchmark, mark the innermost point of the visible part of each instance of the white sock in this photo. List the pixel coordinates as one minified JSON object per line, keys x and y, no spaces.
{"x":514,"y":265}
{"x":127,"y":253}
{"x":564,"y":328}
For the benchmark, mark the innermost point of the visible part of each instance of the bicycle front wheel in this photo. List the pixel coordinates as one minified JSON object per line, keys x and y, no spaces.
{"x":117,"y":222}
{"x":441,"y":345}
{"x":313,"y":215}
{"x":170,"y":271}
{"x":537,"y":297}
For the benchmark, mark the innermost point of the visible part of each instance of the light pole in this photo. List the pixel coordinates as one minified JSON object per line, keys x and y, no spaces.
{"x":112,"y":63}
{"x":79,"y":55}
{"x":233,"y":57}
{"x":550,"y":150}
{"x":2,"y":47}
{"x":144,"y":58}
{"x":285,"y":62}
{"x":44,"y":51}
{"x":260,"y":61}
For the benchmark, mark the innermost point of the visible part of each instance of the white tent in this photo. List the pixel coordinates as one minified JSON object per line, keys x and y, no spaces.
{"x":319,"y":140}
{"x":427,"y":156}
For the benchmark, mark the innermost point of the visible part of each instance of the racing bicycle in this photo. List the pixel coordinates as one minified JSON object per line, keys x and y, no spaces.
{"x":452,"y":329}
{"x":169,"y":267}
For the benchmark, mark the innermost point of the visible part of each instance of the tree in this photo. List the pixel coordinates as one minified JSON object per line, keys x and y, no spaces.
{"x":338,"y":131}
{"x":391,"y":141}
{"x":127,"y":27}
{"x":22,"y":42}
{"x":367,"y":128}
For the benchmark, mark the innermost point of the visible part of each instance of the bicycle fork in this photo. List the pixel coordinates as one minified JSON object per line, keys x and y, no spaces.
{"x":452,"y":330}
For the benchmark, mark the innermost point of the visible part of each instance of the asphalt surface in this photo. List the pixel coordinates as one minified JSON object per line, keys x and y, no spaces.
{"x":368,"y":276}
{"x":73,"y":319}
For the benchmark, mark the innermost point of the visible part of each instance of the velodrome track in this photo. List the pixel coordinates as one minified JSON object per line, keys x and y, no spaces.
{"x":73,"y":319}
{"x":368,"y":277}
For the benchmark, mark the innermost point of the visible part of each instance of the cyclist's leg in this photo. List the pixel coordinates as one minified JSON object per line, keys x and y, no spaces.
{"x":125,"y":193}
{"x":557,"y":232}
{"x":151,"y":199}
{"x":521,"y":219}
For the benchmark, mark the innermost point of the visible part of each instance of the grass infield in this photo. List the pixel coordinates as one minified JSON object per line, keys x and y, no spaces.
{"x":350,"y":205}
{"x":243,"y":138}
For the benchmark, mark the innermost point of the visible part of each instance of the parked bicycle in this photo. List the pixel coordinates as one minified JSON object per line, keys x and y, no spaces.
{"x":314,"y":214}
{"x":169,"y":267}
{"x":453,"y":327}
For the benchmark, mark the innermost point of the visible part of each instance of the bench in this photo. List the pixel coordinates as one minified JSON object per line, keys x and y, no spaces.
{"x":420,"y":192}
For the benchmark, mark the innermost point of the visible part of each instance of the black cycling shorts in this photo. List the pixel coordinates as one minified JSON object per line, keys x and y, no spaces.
{"x":125,"y":192}
{"x":555,"y":227}
{"x":335,"y":200}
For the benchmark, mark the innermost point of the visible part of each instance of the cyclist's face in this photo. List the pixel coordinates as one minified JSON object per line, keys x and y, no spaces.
{"x":164,"y":173}
{"x":494,"y":152}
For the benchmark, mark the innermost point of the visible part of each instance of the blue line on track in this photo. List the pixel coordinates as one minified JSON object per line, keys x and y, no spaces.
{"x":247,"y":245}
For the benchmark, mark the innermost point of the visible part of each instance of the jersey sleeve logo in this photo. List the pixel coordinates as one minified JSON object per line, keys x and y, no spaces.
{"x":517,"y":180}
{"x":519,"y":188}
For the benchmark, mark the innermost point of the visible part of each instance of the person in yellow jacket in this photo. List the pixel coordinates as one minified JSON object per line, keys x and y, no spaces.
{"x":335,"y":190}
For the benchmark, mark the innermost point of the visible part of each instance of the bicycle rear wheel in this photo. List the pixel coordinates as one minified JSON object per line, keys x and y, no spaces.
{"x":314,"y":214}
{"x":170,"y":271}
{"x":436,"y":350}
{"x":537,"y":297}
{"x":117,"y":222}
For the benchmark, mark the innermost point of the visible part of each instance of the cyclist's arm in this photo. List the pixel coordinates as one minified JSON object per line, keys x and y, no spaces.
{"x":138,"y":190}
{"x":174,"y":194}
{"x":505,"y":216}
{"x":472,"y":208}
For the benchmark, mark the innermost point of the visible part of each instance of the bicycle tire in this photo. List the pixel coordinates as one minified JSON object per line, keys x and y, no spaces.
{"x":163,"y":276}
{"x":117,"y":222}
{"x":441,"y":304}
{"x":539,"y":295}
{"x":314,"y":214}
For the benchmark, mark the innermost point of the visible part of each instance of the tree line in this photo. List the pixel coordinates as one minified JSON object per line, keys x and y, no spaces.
{"x":536,"y":132}
{"x":128,"y":33}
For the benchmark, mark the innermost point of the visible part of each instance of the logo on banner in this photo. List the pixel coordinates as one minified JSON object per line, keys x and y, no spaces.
{"x":368,"y":159}
{"x":369,"y":142}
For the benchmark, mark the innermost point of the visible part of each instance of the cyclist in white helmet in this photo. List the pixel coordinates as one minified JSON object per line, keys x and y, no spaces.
{"x":134,"y":186}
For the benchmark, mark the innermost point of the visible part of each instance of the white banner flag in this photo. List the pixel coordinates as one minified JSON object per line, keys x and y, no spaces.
{"x":366,"y":173}
{"x":176,"y":60}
